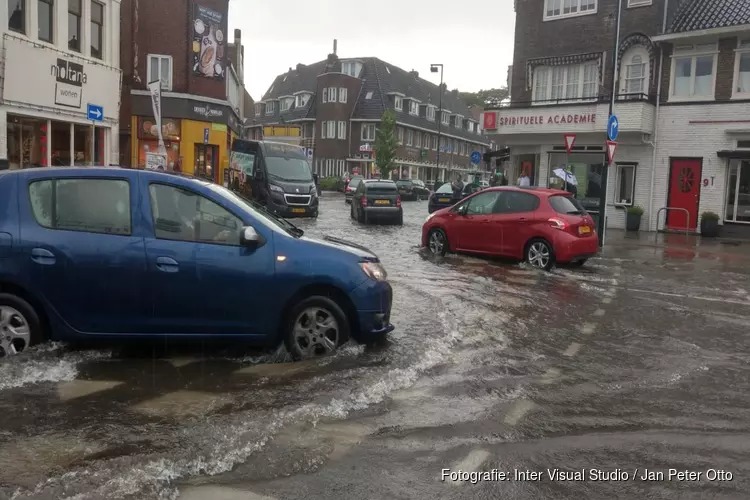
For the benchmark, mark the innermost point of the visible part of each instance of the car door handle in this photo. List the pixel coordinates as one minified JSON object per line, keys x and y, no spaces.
{"x":167,"y":264}
{"x":485,"y":221}
{"x":43,"y":256}
{"x":522,"y":219}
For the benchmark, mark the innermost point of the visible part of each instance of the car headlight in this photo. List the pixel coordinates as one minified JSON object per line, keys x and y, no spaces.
{"x":374,"y":270}
{"x":313,"y":191}
{"x":276,"y":188}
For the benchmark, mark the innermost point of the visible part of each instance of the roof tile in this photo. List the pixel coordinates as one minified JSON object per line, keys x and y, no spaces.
{"x":696,"y":15}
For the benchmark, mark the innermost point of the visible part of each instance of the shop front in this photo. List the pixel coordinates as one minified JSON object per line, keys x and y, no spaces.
{"x":43,"y":115}
{"x":198,"y":135}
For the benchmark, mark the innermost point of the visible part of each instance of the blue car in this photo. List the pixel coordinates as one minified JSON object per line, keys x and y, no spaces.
{"x":124,"y":254}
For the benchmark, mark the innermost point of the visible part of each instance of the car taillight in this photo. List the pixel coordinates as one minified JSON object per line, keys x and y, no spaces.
{"x":398,"y":201}
{"x":348,"y":188}
{"x":363,"y":202}
{"x":559,"y":224}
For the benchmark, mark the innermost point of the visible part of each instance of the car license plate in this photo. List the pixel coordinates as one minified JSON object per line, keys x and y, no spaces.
{"x":298,"y":210}
{"x":382,"y":202}
{"x":444,"y":200}
{"x":584,"y":230}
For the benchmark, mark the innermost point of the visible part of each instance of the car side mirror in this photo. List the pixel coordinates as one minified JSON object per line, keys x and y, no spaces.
{"x":250,"y":237}
{"x":462,"y":210}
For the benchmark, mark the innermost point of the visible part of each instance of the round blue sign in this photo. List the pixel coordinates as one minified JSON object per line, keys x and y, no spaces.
{"x":476,"y":157}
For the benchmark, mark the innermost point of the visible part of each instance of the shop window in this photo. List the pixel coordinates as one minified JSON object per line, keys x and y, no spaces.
{"x":738,"y":192}
{"x":160,"y":68}
{"x":625,"y":187}
{"x":74,"y":25}
{"x":148,"y":141}
{"x":97,"y":29}
{"x":46,"y":15}
{"x":60,"y":149}
{"x":185,"y":216}
{"x":90,"y":205}
{"x":27,"y":142}
{"x":83,"y":144}
{"x":17,"y":16}
{"x":205,"y":161}
{"x":586,"y":169}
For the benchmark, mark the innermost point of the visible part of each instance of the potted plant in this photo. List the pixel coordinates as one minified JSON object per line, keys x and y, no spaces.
{"x":710,"y":224}
{"x":633,"y":218}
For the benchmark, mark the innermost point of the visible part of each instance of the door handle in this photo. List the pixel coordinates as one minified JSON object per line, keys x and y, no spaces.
{"x":43,"y":256}
{"x":485,"y":221}
{"x":522,"y":219}
{"x":167,"y":264}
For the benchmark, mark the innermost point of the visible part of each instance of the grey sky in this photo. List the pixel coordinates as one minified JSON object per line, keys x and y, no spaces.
{"x":472,"y":38}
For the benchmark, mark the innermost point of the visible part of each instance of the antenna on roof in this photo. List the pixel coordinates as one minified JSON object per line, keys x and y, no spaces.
{"x":335,"y":46}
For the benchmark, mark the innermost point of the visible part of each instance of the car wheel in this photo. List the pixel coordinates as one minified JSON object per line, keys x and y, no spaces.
{"x":20,"y":327}
{"x":437,"y":242}
{"x":317,"y":328}
{"x":400,"y":220}
{"x":539,"y":254}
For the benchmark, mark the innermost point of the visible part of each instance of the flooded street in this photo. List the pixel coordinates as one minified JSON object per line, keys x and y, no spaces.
{"x":632,"y":366}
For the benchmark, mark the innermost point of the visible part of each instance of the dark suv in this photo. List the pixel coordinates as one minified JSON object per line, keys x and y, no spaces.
{"x":412,"y":190}
{"x":376,"y":199}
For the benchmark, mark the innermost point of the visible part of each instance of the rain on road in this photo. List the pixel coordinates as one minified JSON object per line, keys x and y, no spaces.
{"x":638,"y":361}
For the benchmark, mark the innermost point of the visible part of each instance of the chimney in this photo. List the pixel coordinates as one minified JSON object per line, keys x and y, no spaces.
{"x":414,"y":73}
{"x":335,"y":46}
{"x":290,"y":69}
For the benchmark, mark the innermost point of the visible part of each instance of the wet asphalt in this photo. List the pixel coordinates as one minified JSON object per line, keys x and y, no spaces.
{"x":627,"y":378}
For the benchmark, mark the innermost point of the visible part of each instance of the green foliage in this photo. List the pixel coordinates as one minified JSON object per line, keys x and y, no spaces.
{"x":386,"y":144}
{"x":709,"y":216}
{"x":635,"y":210}
{"x":329,"y":183}
{"x":490,"y":97}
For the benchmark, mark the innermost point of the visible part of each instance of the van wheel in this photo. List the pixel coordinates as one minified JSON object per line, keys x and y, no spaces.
{"x":539,"y":254}
{"x":437,"y":242}
{"x":20,"y":327}
{"x":317,"y":327}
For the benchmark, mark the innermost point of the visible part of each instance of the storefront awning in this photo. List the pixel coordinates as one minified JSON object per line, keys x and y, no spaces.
{"x":734,"y":154}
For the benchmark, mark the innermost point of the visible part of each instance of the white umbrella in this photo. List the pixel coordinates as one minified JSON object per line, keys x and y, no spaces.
{"x":566,"y":176}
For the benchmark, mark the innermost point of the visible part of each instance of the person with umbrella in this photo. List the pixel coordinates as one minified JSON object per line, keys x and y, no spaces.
{"x":570,"y":180}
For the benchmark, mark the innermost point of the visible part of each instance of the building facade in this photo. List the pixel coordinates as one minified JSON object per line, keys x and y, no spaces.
{"x":201,"y":88}
{"x":678,"y":92}
{"x":58,"y":57}
{"x":339,"y":104}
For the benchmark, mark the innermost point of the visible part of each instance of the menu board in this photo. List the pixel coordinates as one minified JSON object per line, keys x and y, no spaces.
{"x":209,"y":42}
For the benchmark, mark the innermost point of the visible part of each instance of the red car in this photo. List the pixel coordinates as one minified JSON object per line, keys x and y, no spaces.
{"x":539,"y":225}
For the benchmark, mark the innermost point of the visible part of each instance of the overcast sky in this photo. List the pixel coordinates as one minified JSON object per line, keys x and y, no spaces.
{"x":472,"y":38}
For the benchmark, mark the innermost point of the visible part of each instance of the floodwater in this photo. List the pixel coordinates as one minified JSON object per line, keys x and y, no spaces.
{"x":637,"y":361}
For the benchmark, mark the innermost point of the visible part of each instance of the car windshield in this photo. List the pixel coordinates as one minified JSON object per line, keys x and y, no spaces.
{"x":445,"y":189}
{"x":287,"y":168}
{"x":566,"y":205}
{"x":258,"y":210}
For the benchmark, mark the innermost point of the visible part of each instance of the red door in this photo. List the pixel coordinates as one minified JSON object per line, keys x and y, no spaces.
{"x":684,"y":188}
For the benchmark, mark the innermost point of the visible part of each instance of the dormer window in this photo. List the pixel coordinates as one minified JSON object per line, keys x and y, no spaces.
{"x":270,"y":107}
{"x":301,"y":100}
{"x":351,"y":68}
{"x":446,"y":118}
{"x":458,"y":121}
{"x":286,"y":103}
{"x":431,"y":112}
{"x":258,"y":108}
{"x":398,"y":103}
{"x":470,"y":126}
{"x":413,"y":107}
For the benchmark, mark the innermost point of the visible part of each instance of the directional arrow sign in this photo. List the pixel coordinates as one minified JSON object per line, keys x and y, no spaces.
{"x":570,"y":139}
{"x":613,"y":128}
{"x":94,"y":113}
{"x":611,"y":148}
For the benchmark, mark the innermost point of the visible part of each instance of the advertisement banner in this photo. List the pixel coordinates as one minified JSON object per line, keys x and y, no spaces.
{"x":156,"y":161}
{"x":155,"y":89}
{"x":209,"y":42}
{"x":147,"y":129}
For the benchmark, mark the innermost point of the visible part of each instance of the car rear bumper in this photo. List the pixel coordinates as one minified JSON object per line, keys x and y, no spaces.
{"x":373,"y":300}
{"x":575,"y":249}
{"x":382,"y":211}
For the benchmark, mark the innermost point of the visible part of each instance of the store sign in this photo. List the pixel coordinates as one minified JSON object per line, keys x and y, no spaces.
{"x":559,"y":119}
{"x":556,"y":119}
{"x":37,"y":75}
{"x":207,"y":112}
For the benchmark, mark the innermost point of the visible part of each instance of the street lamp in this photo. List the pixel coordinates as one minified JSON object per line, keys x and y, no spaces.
{"x":434,"y":69}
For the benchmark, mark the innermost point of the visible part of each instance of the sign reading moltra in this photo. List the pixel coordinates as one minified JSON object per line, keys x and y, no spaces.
{"x":70,"y":79}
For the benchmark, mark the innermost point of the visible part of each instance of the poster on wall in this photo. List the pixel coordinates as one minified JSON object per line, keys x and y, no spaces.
{"x":209,"y":43}
{"x":148,"y":129}
{"x":156,"y":161}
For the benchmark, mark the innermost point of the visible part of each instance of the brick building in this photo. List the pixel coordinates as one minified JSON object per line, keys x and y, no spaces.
{"x":201,"y":81}
{"x":681,"y":80}
{"x":339,"y":104}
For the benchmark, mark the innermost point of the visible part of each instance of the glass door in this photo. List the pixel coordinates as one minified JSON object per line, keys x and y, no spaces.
{"x":738,"y":192}
{"x":205,"y":161}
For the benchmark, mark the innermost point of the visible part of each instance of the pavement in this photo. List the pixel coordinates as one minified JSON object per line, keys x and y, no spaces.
{"x":626,"y":378}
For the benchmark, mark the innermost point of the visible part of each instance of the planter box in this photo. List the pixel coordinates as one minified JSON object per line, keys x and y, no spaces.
{"x":710,"y":228}
{"x":632,"y":222}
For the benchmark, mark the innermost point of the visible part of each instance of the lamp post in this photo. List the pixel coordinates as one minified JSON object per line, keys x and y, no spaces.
{"x":434,"y":69}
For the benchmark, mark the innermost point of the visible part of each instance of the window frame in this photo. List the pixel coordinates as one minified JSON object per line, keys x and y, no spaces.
{"x":258,"y":108}
{"x":738,"y":53}
{"x":53,"y":183}
{"x":445,"y":118}
{"x":196,"y":193}
{"x":79,"y":22}
{"x":160,"y":57}
{"x":561,"y":15}
{"x":332,"y":94}
{"x":632,"y":4}
{"x":400,"y":135}
{"x":343,"y":94}
{"x":353,"y":66}
{"x":52,"y":23}
{"x":270,"y":108}
{"x":693,"y":55}
{"x":398,"y":103}
{"x":24,"y":19}
{"x":619,"y":167}
{"x":550,"y":70}
{"x":413,"y":107}
{"x":638,"y":50}
{"x":285,"y":105}
{"x":366,"y":137}
{"x":430,"y":113}
{"x":409,"y":137}
{"x":101,"y":25}
{"x":341,"y":129}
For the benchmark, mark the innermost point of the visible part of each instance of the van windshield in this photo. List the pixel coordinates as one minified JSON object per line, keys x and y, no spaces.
{"x":288,"y":169}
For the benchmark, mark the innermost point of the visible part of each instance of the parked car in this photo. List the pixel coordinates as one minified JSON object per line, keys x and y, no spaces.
{"x":446,"y":197}
{"x":412,"y":190}
{"x":126,"y":254}
{"x":351,"y":186}
{"x":542,"y":226}
{"x":377,"y":200}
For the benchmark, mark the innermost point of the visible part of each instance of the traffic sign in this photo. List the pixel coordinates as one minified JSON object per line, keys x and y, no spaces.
{"x":94,"y":113}
{"x":570,"y":139}
{"x":309,"y":153}
{"x":611,"y":148}
{"x":476,"y":157}
{"x":205,"y":136}
{"x":613,"y":128}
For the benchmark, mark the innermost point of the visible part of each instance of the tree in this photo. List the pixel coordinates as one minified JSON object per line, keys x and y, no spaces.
{"x":386,"y":144}
{"x":490,"y":97}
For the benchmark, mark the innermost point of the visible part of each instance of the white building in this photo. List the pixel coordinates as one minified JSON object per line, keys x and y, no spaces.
{"x":58,"y":57}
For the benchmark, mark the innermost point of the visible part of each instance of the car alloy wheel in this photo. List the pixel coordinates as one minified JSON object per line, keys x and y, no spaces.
{"x":15,"y":332}
{"x":316,"y":332}
{"x":539,"y":255}
{"x":437,"y":242}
